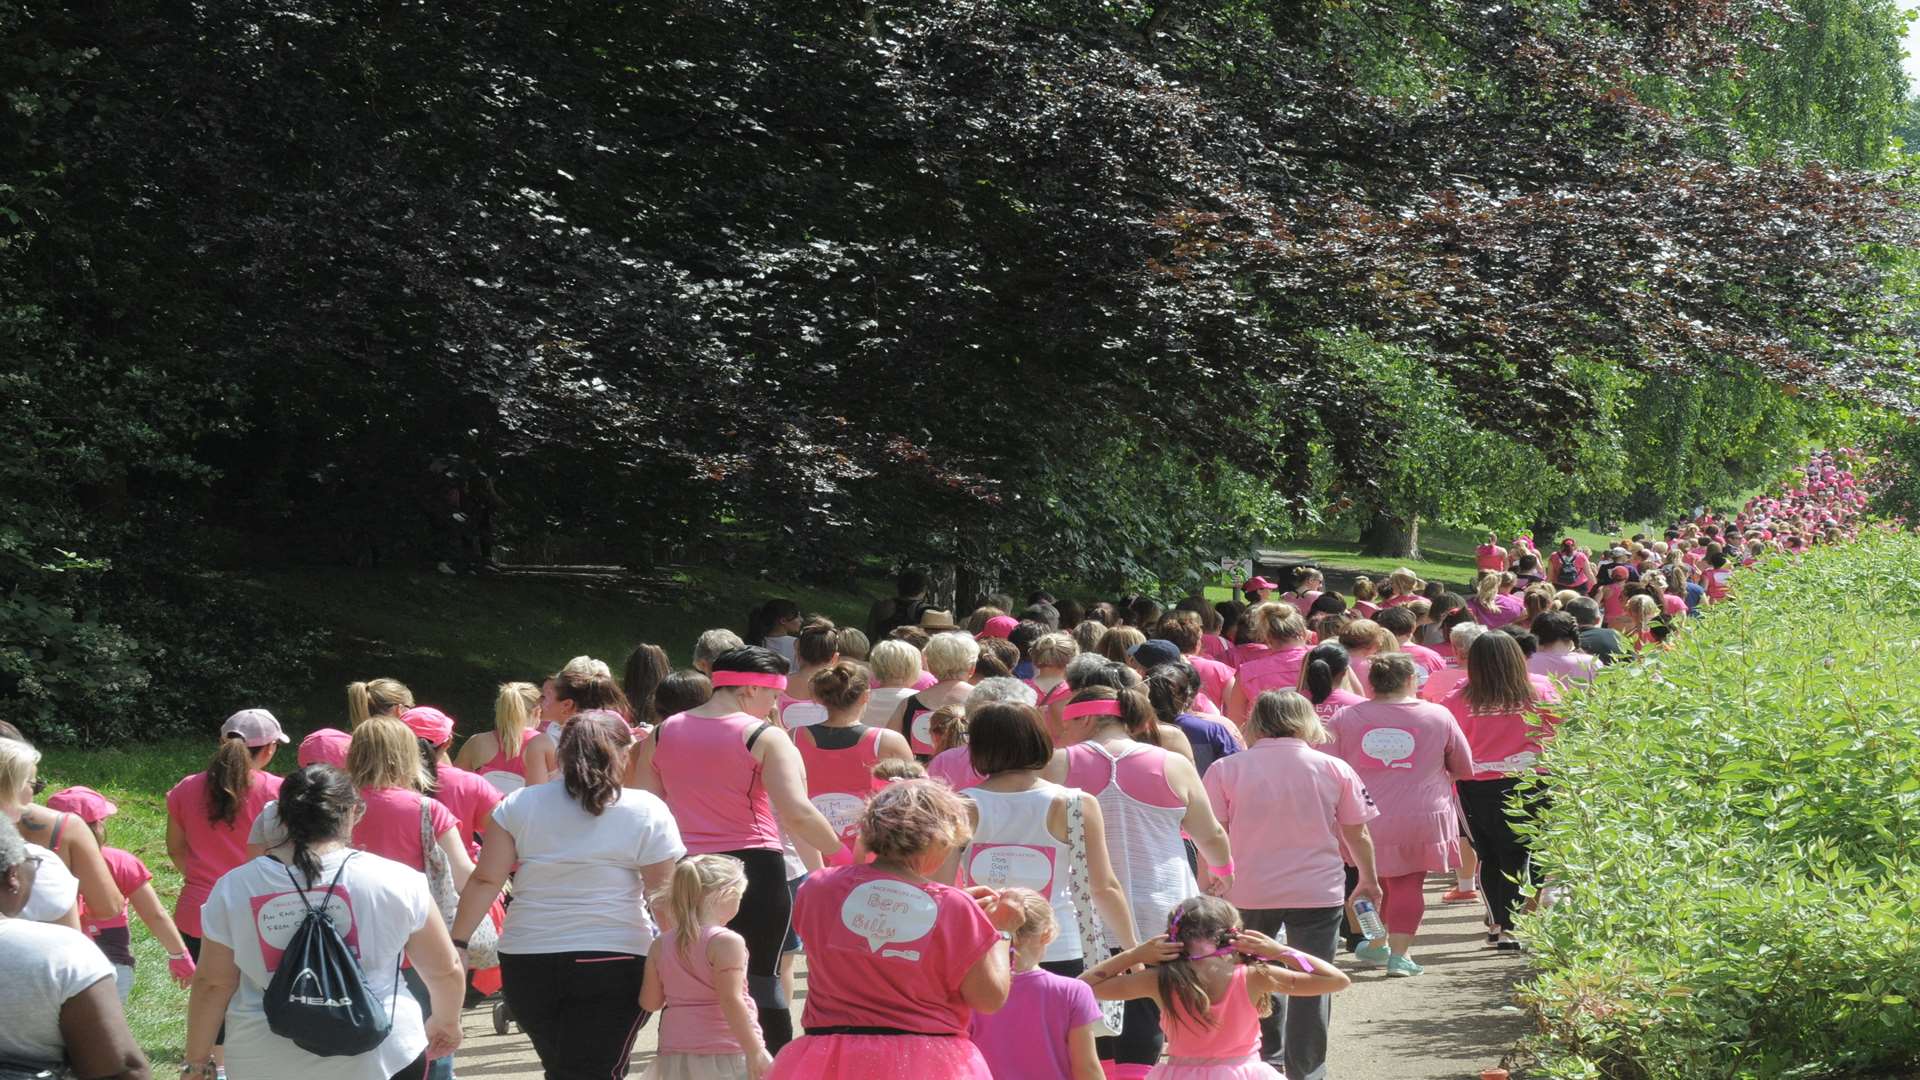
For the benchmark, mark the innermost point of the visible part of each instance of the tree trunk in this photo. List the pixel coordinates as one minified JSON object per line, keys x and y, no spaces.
{"x":970,"y":588}
{"x":940,"y":586}
{"x":1390,"y":537}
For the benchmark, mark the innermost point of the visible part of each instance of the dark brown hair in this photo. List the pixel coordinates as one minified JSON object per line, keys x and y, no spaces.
{"x":1497,"y":675}
{"x":840,"y":685}
{"x":1396,"y":620}
{"x":1199,"y":919}
{"x":680,"y":691}
{"x":646,"y":666}
{"x":589,"y":692}
{"x":589,"y":753}
{"x":1143,"y":724}
{"x":1007,"y":735}
{"x":1183,"y":629}
{"x":1005,"y":654}
{"x":912,"y":635}
{"x":229,"y":776}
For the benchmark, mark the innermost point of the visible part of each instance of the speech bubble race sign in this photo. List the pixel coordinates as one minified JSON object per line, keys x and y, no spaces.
{"x":1391,"y":745}
{"x":841,"y":810}
{"x":803,"y":714}
{"x":923,"y":727}
{"x":883,"y":913}
{"x":1004,"y":866}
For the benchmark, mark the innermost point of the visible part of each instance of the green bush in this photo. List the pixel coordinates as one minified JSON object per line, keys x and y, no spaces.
{"x":1737,"y":826}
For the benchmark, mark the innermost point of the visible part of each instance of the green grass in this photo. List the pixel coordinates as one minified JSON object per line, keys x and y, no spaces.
{"x":452,"y":641}
{"x":1447,"y":554}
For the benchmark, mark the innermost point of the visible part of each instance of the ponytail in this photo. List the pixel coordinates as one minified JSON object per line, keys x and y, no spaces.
{"x":316,"y":806}
{"x":1325,"y":665}
{"x":377,"y":697}
{"x":429,"y":767}
{"x":229,"y":776}
{"x":512,"y":709}
{"x":696,"y":880}
{"x":1486,"y":589}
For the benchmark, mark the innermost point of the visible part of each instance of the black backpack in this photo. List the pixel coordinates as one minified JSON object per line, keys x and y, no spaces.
{"x":318,"y":997}
{"x":1569,"y":573}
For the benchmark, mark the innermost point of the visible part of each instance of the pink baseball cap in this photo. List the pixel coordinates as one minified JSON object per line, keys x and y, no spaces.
{"x":256,"y":727}
{"x":84,"y":802}
{"x":998,"y":627}
{"x":1257,"y":584}
{"x":327,"y":746}
{"x":429,"y":723}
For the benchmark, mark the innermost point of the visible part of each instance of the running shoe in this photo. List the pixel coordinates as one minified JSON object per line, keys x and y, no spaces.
{"x":1373,"y":952}
{"x":1460,"y":896}
{"x":1402,"y":967}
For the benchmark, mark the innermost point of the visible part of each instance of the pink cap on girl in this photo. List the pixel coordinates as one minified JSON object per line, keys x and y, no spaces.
{"x":82,"y":802}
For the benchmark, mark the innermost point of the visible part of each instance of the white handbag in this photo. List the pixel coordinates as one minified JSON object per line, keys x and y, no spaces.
{"x":1093,"y":933}
{"x":483,"y":945}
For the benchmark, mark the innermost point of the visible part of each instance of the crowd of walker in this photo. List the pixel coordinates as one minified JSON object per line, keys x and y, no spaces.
{"x":1042,"y":841}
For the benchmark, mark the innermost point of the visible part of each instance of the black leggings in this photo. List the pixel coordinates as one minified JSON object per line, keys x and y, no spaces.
{"x":581,"y":1010}
{"x":414,"y":1070}
{"x":1505,"y":861}
{"x":766,"y":910}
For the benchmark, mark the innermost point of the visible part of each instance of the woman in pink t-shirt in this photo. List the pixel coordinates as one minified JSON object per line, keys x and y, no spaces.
{"x":1503,"y":710}
{"x":1284,"y":631}
{"x":1492,"y":605}
{"x":1296,"y":817}
{"x":467,"y":794}
{"x":733,"y":780}
{"x":384,"y":762}
{"x":897,"y":962}
{"x":210,"y":813}
{"x":499,"y":755}
{"x":1408,"y":752}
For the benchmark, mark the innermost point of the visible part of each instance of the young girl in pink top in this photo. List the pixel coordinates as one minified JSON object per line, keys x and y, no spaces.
{"x":1409,"y":753}
{"x":1213,"y":980}
{"x":898,"y":963}
{"x":698,"y":973}
{"x":840,"y":751}
{"x":1048,"y":1025}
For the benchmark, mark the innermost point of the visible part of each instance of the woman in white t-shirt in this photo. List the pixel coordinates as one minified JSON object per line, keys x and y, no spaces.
{"x":574,"y":949}
{"x":58,"y":994}
{"x":382,"y":908}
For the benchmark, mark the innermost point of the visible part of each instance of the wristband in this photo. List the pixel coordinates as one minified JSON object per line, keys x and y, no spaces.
{"x":460,"y":943}
{"x":178,"y":956}
{"x":1222,"y":871}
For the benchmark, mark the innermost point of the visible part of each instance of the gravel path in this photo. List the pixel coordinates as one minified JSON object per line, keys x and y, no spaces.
{"x":1448,"y":1024}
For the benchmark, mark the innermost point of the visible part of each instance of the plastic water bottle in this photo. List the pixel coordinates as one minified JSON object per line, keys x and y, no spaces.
{"x":1369,"y":918}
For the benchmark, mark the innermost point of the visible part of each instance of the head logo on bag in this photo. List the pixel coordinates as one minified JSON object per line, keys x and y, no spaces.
{"x":318,"y":997}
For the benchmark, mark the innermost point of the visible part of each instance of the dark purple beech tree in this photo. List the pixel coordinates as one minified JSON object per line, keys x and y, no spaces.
{"x":1015,"y":285}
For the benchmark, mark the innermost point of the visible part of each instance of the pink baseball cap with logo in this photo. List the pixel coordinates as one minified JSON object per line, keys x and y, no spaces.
{"x":82,"y":802}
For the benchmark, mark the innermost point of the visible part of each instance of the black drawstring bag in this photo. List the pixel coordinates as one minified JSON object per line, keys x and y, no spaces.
{"x":318,"y":997}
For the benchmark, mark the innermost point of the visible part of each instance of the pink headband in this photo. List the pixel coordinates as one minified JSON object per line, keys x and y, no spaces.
{"x":1106,"y":707}
{"x":749,"y":678}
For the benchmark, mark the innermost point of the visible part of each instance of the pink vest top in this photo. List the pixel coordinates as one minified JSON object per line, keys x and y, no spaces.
{"x":500,"y":762}
{"x":693,"y":1022}
{"x":838,"y":783}
{"x":713,"y":784}
{"x":1232,"y":1040}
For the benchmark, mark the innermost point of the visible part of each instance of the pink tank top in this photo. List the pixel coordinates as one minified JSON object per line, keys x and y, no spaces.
{"x":1143,"y":777}
{"x":839,"y":781}
{"x":1233,"y":1038}
{"x":693,"y":1022}
{"x":500,"y":762}
{"x":713,"y":785}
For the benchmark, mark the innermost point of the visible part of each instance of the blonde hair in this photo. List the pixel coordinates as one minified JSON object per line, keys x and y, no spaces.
{"x":1115,"y":643}
{"x":382,"y":697}
{"x":1055,"y":650}
{"x":1287,"y":714}
{"x":1036,"y":914}
{"x":1404,"y":582}
{"x":1277,"y":624}
{"x":513,"y":706}
{"x":895,"y":769}
{"x":912,"y":817}
{"x":1363,"y":590}
{"x":1365,"y":633}
{"x":698,"y":879}
{"x":17,"y":761}
{"x":584,"y":669}
{"x":1487,"y":588}
{"x":895,"y":663}
{"x":385,"y":754}
{"x":1564,"y":597}
{"x":951,"y":656}
{"x":1644,"y":610}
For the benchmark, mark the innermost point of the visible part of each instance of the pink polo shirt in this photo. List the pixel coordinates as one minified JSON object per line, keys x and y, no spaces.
{"x":954,"y":767}
{"x":1505,"y":743}
{"x":213,"y":847}
{"x":1283,"y":803}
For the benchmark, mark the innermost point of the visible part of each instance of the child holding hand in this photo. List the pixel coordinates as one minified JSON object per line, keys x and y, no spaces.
{"x":1213,"y":980}
{"x":108,"y":929}
{"x":710,"y":1030}
{"x":1046,"y":1029}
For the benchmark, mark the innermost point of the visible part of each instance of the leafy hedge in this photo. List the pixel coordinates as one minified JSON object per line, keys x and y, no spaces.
{"x":1738,"y":829}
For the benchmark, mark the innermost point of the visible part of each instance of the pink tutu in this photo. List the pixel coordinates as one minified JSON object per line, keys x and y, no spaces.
{"x":1251,"y":1068}
{"x":868,"y":1057}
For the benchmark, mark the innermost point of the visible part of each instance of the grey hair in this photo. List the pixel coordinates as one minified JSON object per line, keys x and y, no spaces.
{"x":1461,"y":637}
{"x":714,"y":642}
{"x":13,"y":850}
{"x":1090,"y":669}
{"x":998,"y":689}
